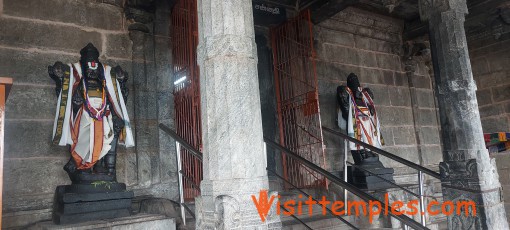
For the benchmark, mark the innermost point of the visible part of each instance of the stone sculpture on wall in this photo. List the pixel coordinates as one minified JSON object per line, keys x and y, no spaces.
{"x":91,"y":118}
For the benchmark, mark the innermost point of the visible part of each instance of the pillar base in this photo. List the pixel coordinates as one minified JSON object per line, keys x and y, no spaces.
{"x":466,"y":180}
{"x":490,"y":210}
{"x":228,"y":204}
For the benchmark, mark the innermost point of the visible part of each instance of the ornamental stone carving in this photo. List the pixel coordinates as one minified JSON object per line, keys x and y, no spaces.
{"x":429,"y":7}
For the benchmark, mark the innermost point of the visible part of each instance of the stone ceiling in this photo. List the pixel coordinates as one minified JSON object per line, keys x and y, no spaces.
{"x":404,"y":9}
{"x":483,"y":13}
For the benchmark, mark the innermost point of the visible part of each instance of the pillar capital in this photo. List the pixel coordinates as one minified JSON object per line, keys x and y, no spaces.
{"x":428,"y":8}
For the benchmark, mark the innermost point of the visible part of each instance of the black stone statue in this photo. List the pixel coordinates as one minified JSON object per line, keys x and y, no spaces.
{"x":91,"y":118}
{"x":357,"y":101}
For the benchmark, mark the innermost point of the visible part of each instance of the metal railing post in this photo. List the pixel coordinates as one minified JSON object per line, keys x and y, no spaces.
{"x":346,"y":150}
{"x":335,"y":179}
{"x":422,"y":204}
{"x":265,"y":154}
{"x":181,"y":186}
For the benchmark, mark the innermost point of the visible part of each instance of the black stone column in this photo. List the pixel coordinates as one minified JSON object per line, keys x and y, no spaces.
{"x":144,"y":95}
{"x":467,"y":173}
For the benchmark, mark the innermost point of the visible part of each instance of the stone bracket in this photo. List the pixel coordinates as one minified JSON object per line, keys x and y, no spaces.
{"x":428,"y":8}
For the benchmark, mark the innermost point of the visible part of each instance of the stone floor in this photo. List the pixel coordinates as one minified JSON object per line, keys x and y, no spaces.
{"x":135,"y":222}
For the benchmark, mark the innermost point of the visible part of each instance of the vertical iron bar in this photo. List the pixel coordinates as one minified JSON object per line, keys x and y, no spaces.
{"x":422,"y":204}
{"x":181,"y":189}
{"x":265,"y":153}
{"x":346,"y":150}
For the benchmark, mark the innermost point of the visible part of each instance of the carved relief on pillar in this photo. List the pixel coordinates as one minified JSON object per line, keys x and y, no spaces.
{"x":429,"y":7}
{"x":467,"y":218}
{"x":391,"y":4}
{"x":139,"y":15}
{"x":460,"y":173}
{"x":474,"y":209}
{"x":228,"y":213}
{"x":416,"y":51}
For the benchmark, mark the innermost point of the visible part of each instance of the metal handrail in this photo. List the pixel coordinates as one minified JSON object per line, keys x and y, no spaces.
{"x":178,"y":143}
{"x":183,"y":142}
{"x":295,"y":217}
{"x":304,"y":193}
{"x":351,"y":188}
{"x":385,"y":153}
{"x":190,"y":180}
{"x":408,"y":221}
{"x":189,"y":210}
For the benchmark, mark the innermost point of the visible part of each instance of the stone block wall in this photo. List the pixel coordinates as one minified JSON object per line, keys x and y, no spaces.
{"x":490,"y":61}
{"x":35,"y":34}
{"x":370,"y":45}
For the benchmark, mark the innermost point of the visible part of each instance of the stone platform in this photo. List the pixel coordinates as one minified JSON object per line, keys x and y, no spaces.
{"x":366,"y":180}
{"x":87,"y":202}
{"x":136,"y":222}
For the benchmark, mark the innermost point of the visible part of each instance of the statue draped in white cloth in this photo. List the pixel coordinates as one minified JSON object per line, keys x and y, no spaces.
{"x":358,"y":116}
{"x":91,"y":115}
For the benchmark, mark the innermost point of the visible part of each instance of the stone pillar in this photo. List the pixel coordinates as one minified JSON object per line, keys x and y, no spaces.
{"x":234,"y":160}
{"x":138,"y":33}
{"x":467,"y":173}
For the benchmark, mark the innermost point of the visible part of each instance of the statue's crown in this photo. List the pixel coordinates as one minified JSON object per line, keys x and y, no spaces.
{"x":353,"y":81}
{"x":89,"y":53}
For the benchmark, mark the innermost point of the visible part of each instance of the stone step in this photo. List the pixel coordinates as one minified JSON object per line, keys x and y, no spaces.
{"x":135,"y":222}
{"x":190,"y":224}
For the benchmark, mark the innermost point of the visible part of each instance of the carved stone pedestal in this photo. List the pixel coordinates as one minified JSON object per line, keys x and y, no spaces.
{"x":86,"y":202}
{"x":365,"y":180}
{"x":368,"y":171}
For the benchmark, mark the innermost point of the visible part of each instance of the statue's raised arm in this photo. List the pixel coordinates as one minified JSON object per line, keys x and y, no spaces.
{"x":122,"y":76}
{"x":57,"y":72}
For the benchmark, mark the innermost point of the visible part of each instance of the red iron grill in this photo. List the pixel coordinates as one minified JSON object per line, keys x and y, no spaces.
{"x":187,"y":91}
{"x":297,"y":99}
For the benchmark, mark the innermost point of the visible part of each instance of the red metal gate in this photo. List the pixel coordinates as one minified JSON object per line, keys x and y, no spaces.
{"x":187,"y":91}
{"x":297,"y":99}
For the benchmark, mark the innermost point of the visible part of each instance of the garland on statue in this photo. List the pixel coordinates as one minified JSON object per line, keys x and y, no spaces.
{"x":93,"y":112}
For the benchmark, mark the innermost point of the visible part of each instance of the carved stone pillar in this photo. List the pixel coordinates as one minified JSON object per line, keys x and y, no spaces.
{"x":146,"y":129}
{"x":234,"y":160}
{"x":467,"y":173}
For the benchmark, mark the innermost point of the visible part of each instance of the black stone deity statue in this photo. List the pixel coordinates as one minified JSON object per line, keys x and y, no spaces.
{"x":91,"y":119}
{"x":360,"y":119}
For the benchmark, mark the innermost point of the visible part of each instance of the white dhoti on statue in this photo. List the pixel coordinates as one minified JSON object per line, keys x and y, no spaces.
{"x":90,"y":138}
{"x":362,"y":122}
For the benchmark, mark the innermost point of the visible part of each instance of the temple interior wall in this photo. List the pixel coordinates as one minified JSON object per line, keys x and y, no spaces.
{"x":490,"y":58}
{"x":34,"y":35}
{"x":370,"y":45}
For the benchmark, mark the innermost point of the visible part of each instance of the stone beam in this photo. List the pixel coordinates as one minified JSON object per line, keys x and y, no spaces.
{"x":234,"y":163}
{"x":322,"y":10}
{"x":482,"y":13}
{"x":467,"y":172}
